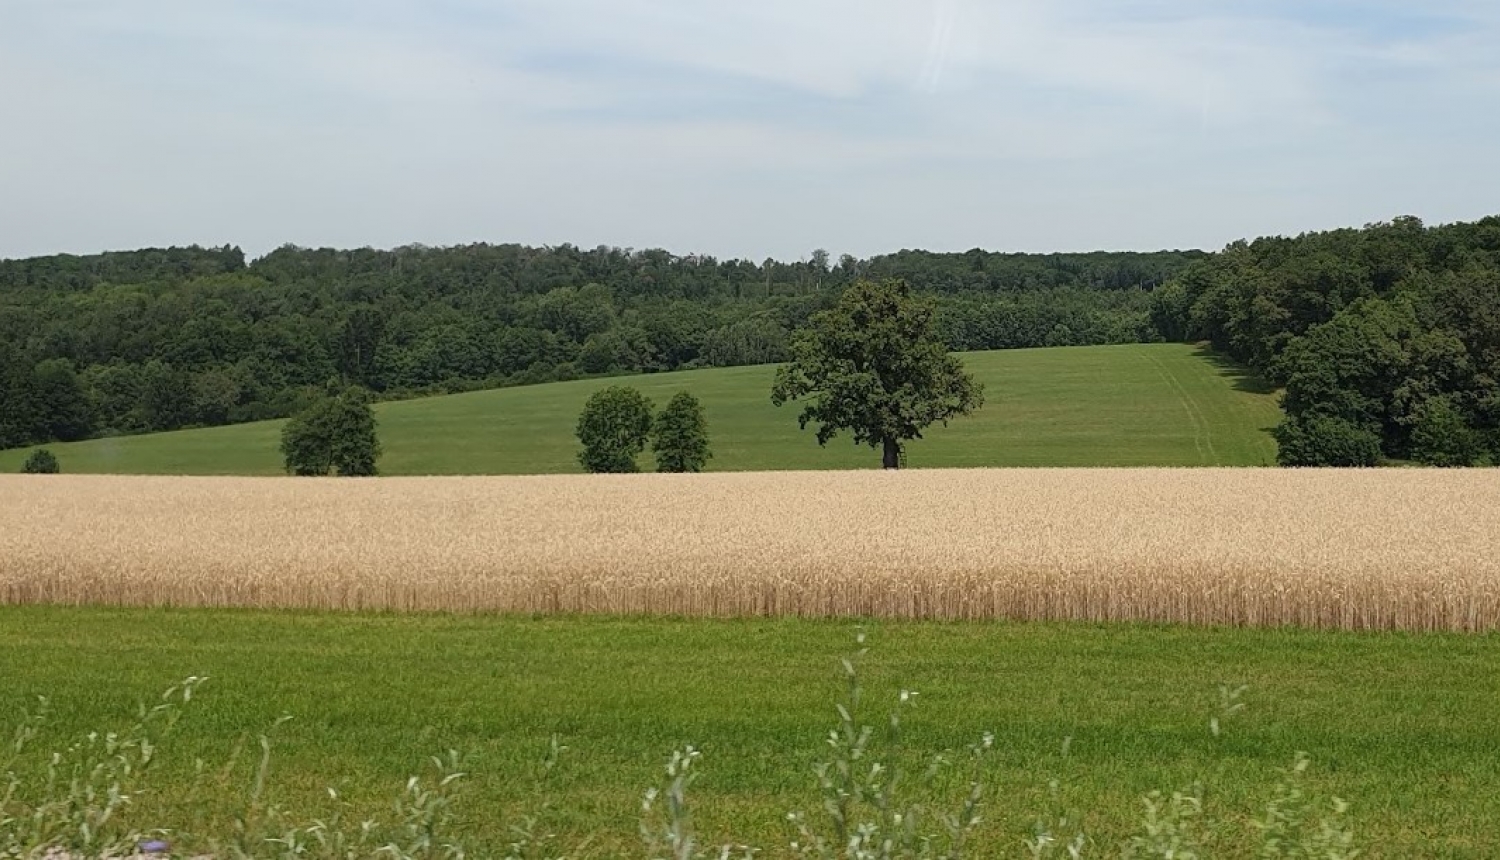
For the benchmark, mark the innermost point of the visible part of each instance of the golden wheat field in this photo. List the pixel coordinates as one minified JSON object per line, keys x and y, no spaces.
{"x":1392,"y":549}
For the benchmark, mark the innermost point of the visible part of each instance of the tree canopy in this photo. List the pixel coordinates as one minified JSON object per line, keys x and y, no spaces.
{"x":334,"y":436}
{"x":161,"y":339}
{"x":41,"y":462}
{"x":1393,"y":329}
{"x":1386,"y":339}
{"x":679,"y":436}
{"x":613,"y":429}
{"x":874,"y":366}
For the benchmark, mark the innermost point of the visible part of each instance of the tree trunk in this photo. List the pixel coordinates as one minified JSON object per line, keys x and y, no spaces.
{"x":892,"y":458}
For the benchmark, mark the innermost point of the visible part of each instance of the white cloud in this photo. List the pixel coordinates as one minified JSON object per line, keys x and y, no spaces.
{"x":754,"y":129}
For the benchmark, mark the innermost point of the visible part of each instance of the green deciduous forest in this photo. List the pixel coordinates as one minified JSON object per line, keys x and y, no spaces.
{"x":155,"y":340}
{"x":1385,"y":338}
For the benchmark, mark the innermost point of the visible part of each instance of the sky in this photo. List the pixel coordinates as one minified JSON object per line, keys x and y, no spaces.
{"x":749,"y":129}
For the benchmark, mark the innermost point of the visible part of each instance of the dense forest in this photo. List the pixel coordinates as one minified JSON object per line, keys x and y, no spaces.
{"x":1386,"y":339}
{"x":161,"y":339}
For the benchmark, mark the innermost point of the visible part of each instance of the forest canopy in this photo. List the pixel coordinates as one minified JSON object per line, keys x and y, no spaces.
{"x":156,"y":339}
{"x":1385,"y":338}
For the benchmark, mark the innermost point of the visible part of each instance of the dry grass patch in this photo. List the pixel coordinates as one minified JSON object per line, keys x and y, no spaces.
{"x":1392,"y":549}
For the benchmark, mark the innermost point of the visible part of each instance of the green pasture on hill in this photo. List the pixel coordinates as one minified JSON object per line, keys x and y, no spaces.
{"x":1401,"y":726}
{"x":1134,"y":405}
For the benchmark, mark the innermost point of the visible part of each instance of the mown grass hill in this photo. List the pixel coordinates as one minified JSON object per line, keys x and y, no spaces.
{"x":1131,"y":405}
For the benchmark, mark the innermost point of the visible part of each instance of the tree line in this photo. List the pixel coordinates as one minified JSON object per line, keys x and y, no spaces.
{"x":1386,"y":339}
{"x":161,"y":339}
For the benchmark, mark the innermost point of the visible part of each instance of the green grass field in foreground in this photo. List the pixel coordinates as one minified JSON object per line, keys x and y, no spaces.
{"x":1137,"y":405}
{"x":1401,"y":726}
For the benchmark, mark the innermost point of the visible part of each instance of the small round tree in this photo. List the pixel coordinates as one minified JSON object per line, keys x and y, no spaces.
{"x":353,"y":440}
{"x":335,"y":435}
{"x":680,"y":436}
{"x":613,"y":428}
{"x":41,"y":462}
{"x":304,"y":450}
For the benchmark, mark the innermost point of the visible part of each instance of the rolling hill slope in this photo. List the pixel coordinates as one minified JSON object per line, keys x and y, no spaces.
{"x":1134,"y":405}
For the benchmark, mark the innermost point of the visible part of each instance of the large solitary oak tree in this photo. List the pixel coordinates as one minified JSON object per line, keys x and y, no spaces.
{"x":874,"y":365}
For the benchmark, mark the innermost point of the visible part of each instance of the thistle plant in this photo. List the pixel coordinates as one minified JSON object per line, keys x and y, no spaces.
{"x":419,"y":830}
{"x":1292,"y":829}
{"x":78,"y":805}
{"x":866,"y":809}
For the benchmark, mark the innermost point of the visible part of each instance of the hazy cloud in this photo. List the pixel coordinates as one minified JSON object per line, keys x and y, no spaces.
{"x":741,"y":130}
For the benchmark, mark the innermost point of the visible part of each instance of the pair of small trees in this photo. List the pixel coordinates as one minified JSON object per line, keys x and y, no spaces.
{"x":617,"y":423}
{"x":333,"y":436}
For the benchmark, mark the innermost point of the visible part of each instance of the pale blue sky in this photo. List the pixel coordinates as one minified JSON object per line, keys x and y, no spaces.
{"x":741,"y":130}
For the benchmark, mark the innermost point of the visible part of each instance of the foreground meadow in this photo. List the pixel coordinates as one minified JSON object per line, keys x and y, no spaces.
{"x":1398,"y":549}
{"x":1131,"y":405}
{"x":1400,"y":725}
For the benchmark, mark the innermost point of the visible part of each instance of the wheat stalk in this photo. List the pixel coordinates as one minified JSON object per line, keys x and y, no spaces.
{"x":1368,"y":549}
